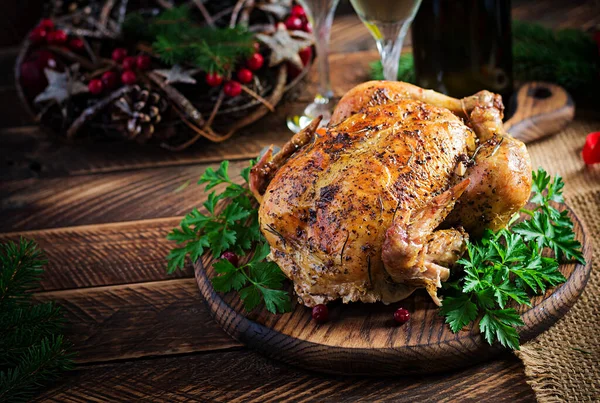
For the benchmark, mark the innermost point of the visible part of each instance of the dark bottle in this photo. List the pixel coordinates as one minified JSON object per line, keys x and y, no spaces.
{"x":463,"y":46}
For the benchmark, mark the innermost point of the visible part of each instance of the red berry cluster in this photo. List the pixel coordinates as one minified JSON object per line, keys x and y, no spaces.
{"x":46,"y":33}
{"x":110,"y":79}
{"x":244,"y":75}
{"x":297,"y":21}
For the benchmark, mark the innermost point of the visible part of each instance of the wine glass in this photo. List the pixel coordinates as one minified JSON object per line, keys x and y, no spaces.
{"x":320,"y":14}
{"x":388,"y":22}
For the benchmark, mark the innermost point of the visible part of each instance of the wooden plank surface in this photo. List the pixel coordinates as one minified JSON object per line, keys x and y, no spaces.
{"x":138,"y":320}
{"x":114,"y":197}
{"x":104,"y":254}
{"x":145,"y":335}
{"x":246,"y":376}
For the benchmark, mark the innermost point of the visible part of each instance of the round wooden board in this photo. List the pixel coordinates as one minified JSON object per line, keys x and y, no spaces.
{"x":363,"y":338}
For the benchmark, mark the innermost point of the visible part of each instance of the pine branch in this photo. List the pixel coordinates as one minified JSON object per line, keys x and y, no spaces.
{"x":20,"y":270}
{"x":32,"y":350}
{"x":41,"y":363}
{"x":178,"y":40}
{"x":24,"y":327}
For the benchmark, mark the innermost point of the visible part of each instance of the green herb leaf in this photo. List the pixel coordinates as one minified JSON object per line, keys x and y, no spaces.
{"x":502,"y":267}
{"x":235,"y":228}
{"x":459,"y":311}
{"x":230,"y":277}
{"x":500,"y":325}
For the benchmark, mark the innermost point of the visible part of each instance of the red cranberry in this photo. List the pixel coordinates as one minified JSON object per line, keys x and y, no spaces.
{"x":119,"y":54}
{"x":244,"y":75}
{"x":76,"y":44}
{"x":306,"y":27}
{"x":298,"y":11}
{"x":232,"y":88}
{"x":143,"y":62}
{"x":46,"y":24}
{"x":255,"y":62}
{"x":294,"y":23}
{"x":57,"y":37}
{"x":38,"y":35}
{"x":214,"y":79}
{"x":232,"y":257}
{"x":95,"y":86}
{"x":401,"y":315}
{"x":320,"y":313}
{"x":128,"y":77}
{"x":129,"y":63}
{"x":110,"y":79}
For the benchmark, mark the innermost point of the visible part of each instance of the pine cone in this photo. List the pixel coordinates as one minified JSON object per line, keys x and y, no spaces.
{"x":139,"y":111}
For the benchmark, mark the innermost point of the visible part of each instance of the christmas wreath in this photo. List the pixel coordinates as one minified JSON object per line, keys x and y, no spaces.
{"x":162,"y":71}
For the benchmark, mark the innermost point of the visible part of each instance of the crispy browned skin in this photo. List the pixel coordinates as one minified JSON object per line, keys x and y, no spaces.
{"x":354,"y":213}
{"x":501,"y":170}
{"x":326,"y":211}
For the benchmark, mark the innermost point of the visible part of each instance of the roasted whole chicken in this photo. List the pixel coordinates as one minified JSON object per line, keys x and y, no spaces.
{"x":382,"y":201}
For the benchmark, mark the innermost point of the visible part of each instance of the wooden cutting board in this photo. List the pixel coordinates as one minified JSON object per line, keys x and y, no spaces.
{"x":364,"y":339}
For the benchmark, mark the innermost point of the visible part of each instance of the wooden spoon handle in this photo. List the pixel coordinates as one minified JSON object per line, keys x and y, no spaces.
{"x":541,"y":109}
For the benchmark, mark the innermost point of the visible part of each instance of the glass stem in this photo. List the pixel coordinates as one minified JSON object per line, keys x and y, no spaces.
{"x":322,"y":26}
{"x":390,"y":46}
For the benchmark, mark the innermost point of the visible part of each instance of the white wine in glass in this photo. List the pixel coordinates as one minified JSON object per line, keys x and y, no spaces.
{"x":320,"y":14}
{"x":388,"y":22}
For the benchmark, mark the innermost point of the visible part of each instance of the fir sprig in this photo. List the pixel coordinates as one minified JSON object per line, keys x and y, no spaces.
{"x":176,"y":39}
{"x":235,"y":228}
{"x":508,"y":266}
{"x":32,"y":350}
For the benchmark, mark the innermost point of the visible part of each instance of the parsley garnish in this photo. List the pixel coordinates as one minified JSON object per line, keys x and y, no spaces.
{"x":234,"y":228}
{"x":508,"y":266}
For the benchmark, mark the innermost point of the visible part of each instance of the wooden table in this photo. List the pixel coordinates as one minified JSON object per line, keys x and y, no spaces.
{"x":102,"y":212}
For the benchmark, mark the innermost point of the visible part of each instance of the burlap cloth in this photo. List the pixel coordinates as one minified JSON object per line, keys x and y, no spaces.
{"x":563,"y":363}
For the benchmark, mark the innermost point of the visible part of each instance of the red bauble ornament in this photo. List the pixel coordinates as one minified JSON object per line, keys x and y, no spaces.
{"x":294,"y":23}
{"x":38,"y":35}
{"x":57,"y":37}
{"x":214,"y":79}
{"x":43,"y":59}
{"x":306,"y":27}
{"x":95,"y":86}
{"x":244,"y":75}
{"x":591,"y":149}
{"x":128,"y":77}
{"x":232,"y":88}
{"x":306,"y":56}
{"x":110,"y":79}
{"x":76,"y":44}
{"x":298,"y":11}
{"x":129,"y":63}
{"x":119,"y":54}
{"x":31,"y":72}
{"x":143,"y":62}
{"x":255,"y":62}
{"x":320,"y":313}
{"x":47,"y":24}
